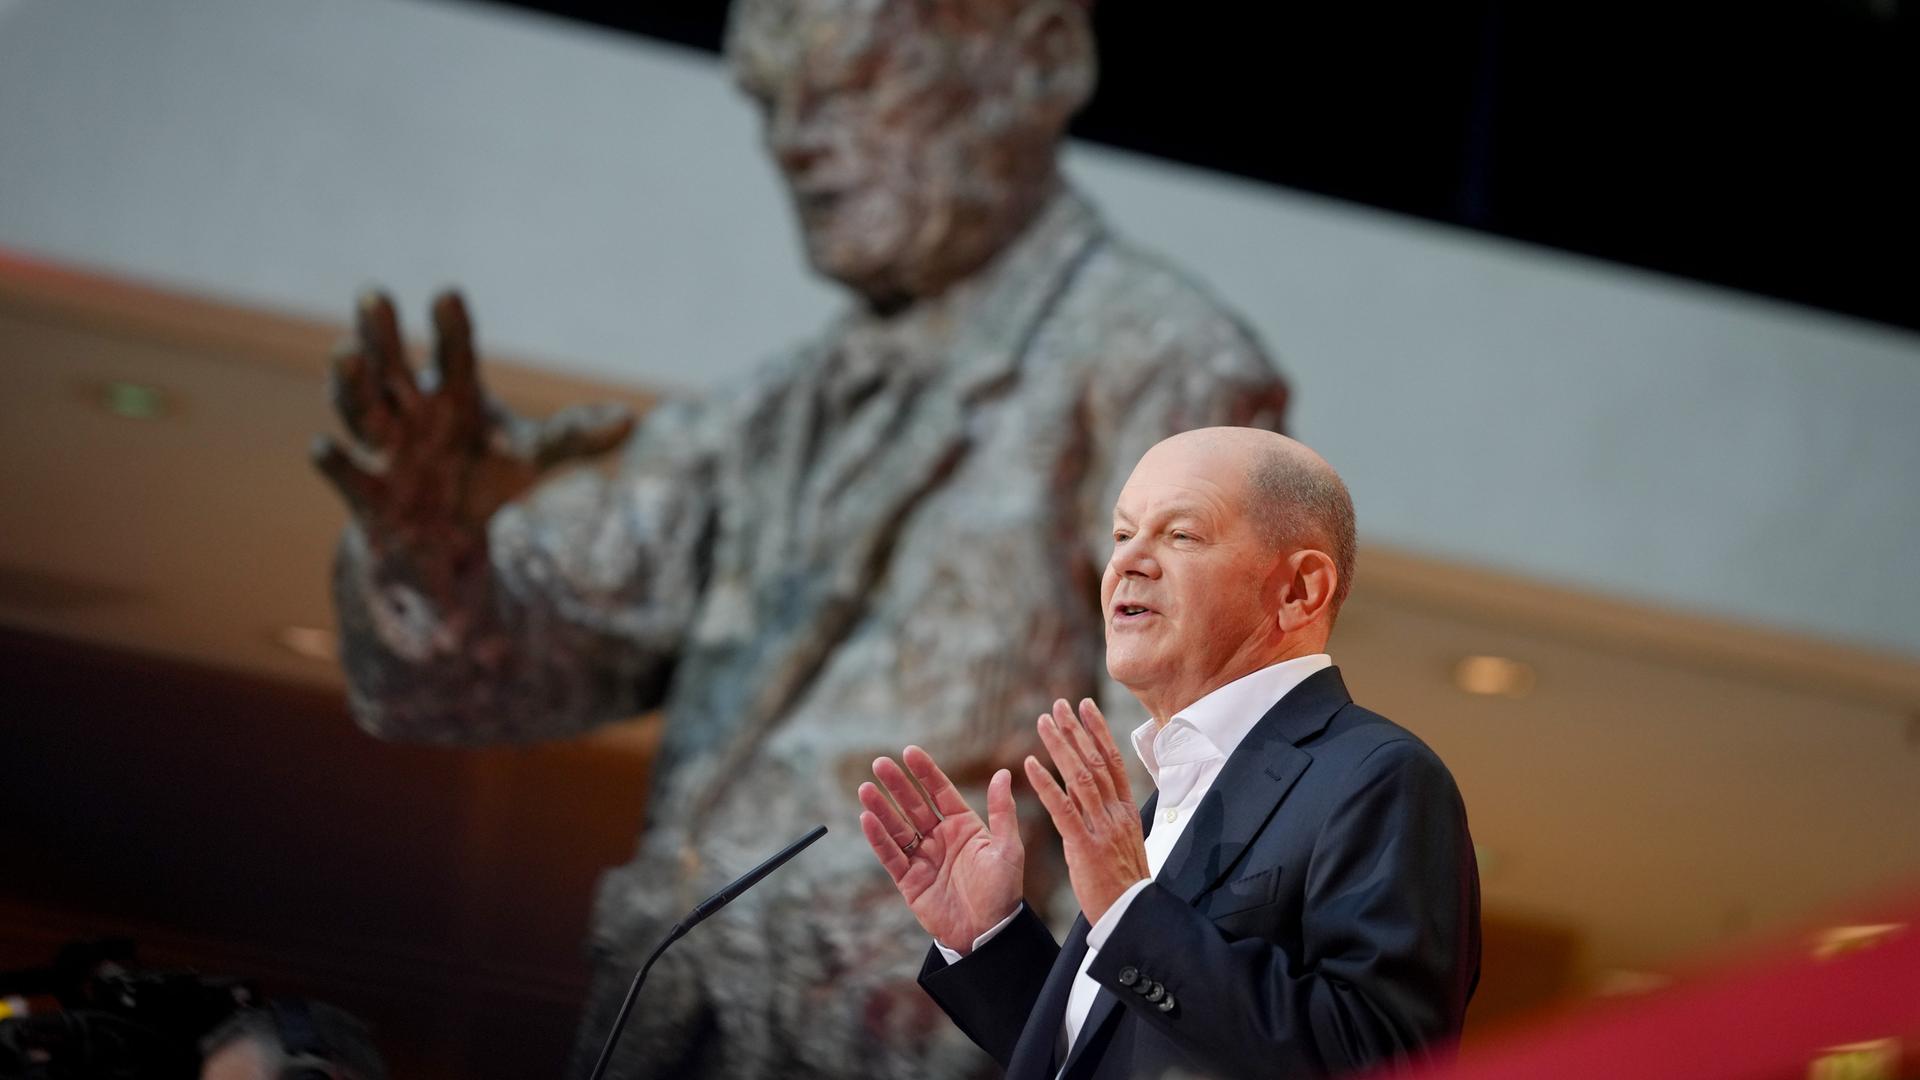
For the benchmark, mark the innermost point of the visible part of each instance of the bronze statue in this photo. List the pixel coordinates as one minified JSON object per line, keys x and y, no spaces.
{"x":892,"y":534}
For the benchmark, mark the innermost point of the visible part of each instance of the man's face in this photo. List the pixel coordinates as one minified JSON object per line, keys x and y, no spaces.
{"x":1188,"y":592}
{"x":896,"y":138}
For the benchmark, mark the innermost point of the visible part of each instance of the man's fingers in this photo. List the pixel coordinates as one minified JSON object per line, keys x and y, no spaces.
{"x":358,"y":398}
{"x":891,"y":857}
{"x":883,"y":810}
{"x":1096,"y":724}
{"x":911,"y":803}
{"x":1097,"y":760}
{"x":1003,"y":820}
{"x":946,"y":798}
{"x":453,"y":358}
{"x":361,"y":489}
{"x":1075,"y":775}
{"x":582,"y":431}
{"x":1066,"y":818}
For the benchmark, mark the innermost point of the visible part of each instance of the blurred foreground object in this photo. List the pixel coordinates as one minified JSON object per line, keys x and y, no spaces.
{"x":891,"y":535}
{"x":95,"y":1014}
{"x":1839,"y":1004}
{"x":292,"y":1038}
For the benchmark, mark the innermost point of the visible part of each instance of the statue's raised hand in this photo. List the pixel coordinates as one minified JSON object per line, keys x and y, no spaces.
{"x":960,"y":875}
{"x":432,"y":457}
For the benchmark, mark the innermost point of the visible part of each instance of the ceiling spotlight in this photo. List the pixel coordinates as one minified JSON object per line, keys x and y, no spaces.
{"x":1494,"y":676}
{"x":133,"y":401}
{"x":311,"y":642}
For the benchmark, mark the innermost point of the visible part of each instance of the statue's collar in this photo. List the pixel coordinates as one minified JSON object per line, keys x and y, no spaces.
{"x":980,"y":330}
{"x":1007,"y":283}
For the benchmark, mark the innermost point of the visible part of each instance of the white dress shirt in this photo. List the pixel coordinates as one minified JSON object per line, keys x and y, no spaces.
{"x":1183,"y":758}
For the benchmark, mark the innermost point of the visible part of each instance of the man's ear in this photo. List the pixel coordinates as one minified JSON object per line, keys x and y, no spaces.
{"x":1306,"y":596}
{"x":1057,"y":68}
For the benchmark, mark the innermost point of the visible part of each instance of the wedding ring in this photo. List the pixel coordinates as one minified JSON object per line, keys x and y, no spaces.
{"x":907,"y":849}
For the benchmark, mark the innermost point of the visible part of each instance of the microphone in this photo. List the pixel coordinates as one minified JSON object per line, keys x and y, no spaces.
{"x":698,"y":915}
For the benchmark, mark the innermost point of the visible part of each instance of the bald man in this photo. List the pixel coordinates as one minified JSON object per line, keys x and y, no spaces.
{"x":1299,"y":896}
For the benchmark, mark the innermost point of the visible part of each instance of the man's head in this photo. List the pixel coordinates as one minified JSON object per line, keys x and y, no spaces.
{"x":1233,"y":550}
{"x":917,"y":136}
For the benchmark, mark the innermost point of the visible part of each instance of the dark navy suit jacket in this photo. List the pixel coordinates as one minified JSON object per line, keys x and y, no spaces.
{"x":1320,"y":915}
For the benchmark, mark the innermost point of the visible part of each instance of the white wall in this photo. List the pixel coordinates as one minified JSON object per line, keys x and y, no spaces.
{"x":603,"y":202}
{"x":605,"y":205}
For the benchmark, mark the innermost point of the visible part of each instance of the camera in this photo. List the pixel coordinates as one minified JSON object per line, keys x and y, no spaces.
{"x":97,"y":1014}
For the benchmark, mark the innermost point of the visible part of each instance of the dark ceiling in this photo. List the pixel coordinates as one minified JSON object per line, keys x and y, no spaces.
{"x":1762,"y":146}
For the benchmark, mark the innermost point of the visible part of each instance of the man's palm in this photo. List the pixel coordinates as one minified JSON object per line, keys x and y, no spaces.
{"x":963,"y":875}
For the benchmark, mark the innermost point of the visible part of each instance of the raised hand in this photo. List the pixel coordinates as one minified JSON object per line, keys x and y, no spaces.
{"x":432,"y":458}
{"x":960,"y":875}
{"x":1094,"y":813}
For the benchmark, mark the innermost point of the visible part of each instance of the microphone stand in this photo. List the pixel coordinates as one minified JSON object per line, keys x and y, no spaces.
{"x":694,"y":918}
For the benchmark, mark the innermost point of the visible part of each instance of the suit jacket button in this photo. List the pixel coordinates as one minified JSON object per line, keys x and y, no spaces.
{"x":1157,"y":992}
{"x":1128,"y":976}
{"x":1145,"y":984}
{"x":1166,"y":1004}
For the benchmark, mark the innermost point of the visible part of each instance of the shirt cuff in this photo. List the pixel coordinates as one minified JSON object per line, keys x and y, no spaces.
{"x":1102,"y":930}
{"x":953,"y":957}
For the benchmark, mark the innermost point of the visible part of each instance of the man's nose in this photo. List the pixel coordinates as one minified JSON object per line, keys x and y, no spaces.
{"x":1133,"y":558}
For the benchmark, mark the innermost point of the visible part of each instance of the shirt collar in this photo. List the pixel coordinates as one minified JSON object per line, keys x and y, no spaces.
{"x":1223,"y":717}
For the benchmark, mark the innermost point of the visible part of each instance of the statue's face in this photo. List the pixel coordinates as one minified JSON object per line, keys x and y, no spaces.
{"x":903,"y":136}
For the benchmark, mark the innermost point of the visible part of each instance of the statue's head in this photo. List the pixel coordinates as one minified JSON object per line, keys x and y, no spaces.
{"x":918,"y":137}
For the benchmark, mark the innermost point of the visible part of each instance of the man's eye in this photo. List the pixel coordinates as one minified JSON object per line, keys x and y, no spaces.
{"x":1181,"y":534}
{"x":1121,"y":538}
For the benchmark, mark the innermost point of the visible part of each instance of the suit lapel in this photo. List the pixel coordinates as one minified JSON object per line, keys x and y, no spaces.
{"x":1105,"y":1003}
{"x":1236,"y":808}
{"x":1249,"y":789}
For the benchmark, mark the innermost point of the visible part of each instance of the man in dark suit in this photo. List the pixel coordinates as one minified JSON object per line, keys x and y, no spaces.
{"x":1299,"y":897}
